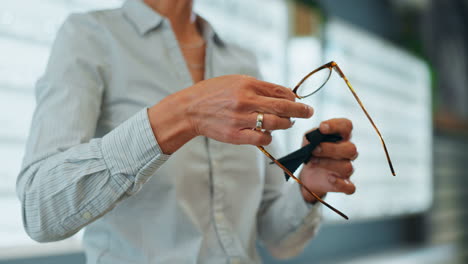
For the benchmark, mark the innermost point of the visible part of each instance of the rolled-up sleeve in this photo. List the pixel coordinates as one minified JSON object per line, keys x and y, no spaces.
{"x":68,"y":178}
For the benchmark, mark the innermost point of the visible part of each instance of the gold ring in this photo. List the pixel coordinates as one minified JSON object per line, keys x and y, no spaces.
{"x":259,"y":125}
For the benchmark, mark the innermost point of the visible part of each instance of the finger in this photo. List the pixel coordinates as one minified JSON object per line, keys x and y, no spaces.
{"x":304,"y":139}
{"x":341,"y":185}
{"x":323,"y":181}
{"x":252,"y":137}
{"x":340,"y":126}
{"x":273,"y":90}
{"x":270,"y":122}
{"x":344,"y":168}
{"x":331,"y":184}
{"x":337,"y":151}
{"x":284,"y":108}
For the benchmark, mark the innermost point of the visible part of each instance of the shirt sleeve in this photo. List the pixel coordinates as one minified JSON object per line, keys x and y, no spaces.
{"x":68,"y":179}
{"x":286,"y":222}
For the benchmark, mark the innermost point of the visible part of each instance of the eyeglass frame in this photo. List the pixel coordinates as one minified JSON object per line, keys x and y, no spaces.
{"x":331,"y":66}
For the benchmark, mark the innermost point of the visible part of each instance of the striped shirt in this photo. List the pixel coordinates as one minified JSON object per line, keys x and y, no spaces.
{"x":92,"y":159}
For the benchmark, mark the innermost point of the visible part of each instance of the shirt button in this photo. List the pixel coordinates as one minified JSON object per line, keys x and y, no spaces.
{"x":219,"y":217}
{"x":87,"y":215}
{"x":235,"y":261}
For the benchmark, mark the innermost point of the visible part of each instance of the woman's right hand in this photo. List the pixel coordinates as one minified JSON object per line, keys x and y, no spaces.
{"x":225,"y":109}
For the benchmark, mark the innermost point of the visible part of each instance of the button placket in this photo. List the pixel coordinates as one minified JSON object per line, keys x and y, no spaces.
{"x":224,"y":230}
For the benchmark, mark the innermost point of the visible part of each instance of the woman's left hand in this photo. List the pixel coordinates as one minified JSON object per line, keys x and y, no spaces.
{"x":331,"y":167}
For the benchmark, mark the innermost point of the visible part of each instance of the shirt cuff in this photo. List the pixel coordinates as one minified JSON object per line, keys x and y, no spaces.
{"x":131,"y":150}
{"x":305,"y":221}
{"x":302,"y":212}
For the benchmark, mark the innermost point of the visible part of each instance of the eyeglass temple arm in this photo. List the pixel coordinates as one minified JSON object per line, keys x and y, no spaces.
{"x":337,"y":68}
{"x":262,"y":149}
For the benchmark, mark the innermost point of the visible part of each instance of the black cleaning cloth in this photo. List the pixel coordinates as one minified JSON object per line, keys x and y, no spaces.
{"x":304,"y":154}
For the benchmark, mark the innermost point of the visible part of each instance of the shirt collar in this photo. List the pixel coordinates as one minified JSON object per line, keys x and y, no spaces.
{"x":142,"y":16}
{"x":208,"y":31}
{"x":146,"y":19}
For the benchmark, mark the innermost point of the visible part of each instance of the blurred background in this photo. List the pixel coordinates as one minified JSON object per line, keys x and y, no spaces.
{"x":407,"y":60}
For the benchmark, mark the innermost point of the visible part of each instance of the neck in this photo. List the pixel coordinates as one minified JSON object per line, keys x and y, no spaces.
{"x":179,"y":12}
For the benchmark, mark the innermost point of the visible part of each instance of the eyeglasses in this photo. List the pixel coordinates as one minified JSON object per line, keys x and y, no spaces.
{"x":308,"y":86}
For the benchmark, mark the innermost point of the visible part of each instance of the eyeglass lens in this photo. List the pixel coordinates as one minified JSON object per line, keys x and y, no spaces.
{"x":313,"y":83}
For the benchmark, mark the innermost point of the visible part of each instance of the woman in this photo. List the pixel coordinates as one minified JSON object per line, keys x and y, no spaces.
{"x":160,"y":184}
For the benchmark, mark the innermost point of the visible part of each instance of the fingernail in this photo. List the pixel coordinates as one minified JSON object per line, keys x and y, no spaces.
{"x":293,"y":122}
{"x":355,"y":156}
{"x":317,"y":150}
{"x":311,"y":110}
{"x":331,"y":179}
{"x":347,"y":181}
{"x":324,"y":128}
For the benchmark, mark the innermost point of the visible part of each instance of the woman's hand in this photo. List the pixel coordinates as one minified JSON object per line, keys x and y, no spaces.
{"x":330,"y":168}
{"x":225,"y":109}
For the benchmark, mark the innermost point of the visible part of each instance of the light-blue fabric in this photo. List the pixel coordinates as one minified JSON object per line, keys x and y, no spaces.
{"x":92,"y":159}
